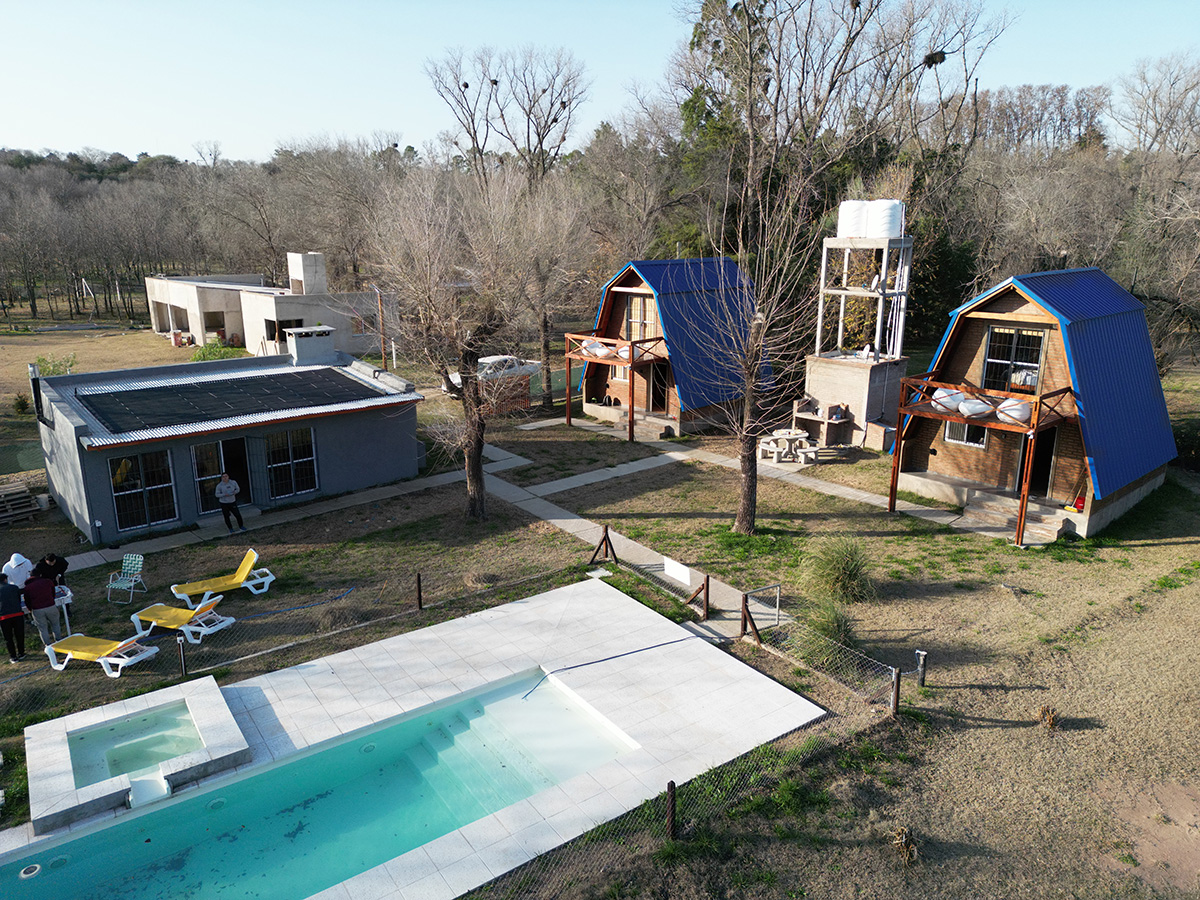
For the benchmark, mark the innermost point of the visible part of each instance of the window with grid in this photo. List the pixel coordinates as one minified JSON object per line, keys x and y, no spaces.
{"x":143,"y":489}
{"x":1013,"y":360}
{"x":639,"y":324}
{"x":291,"y":463}
{"x":962,"y":433}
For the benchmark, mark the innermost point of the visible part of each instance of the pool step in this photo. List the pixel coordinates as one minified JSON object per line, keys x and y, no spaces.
{"x":449,"y":788}
{"x":510,"y":774}
{"x":476,"y":765}
{"x":146,"y":786}
{"x":511,"y":749}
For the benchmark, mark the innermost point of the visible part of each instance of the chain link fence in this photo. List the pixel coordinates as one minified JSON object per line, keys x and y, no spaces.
{"x":692,"y":834}
{"x":729,"y":828}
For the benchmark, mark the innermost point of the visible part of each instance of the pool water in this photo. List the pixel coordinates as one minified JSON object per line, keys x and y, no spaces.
{"x":132,"y":744}
{"x":301,"y":826}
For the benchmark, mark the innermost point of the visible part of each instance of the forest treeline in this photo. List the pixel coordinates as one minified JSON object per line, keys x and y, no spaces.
{"x":996,"y":182}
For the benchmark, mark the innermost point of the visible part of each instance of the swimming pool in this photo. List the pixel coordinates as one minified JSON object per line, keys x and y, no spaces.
{"x":132,"y":744}
{"x":340,"y":808}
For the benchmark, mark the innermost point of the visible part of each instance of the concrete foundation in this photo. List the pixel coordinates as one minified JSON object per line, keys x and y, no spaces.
{"x":868,"y":388}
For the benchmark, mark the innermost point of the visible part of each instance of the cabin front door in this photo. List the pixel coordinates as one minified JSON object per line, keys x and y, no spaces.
{"x":657,"y":395}
{"x":1043,"y":463}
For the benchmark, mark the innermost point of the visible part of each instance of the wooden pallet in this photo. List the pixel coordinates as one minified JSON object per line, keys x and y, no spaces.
{"x":16,"y":503}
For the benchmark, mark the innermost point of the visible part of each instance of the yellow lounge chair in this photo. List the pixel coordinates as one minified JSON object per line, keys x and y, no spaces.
{"x":194,"y":623}
{"x":113,"y":656}
{"x":254,"y":580}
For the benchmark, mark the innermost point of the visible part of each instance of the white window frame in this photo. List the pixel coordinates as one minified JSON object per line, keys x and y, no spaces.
{"x":1013,"y":365}
{"x":963,"y":440}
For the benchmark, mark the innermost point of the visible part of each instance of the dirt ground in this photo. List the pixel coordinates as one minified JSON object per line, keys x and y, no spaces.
{"x":1103,"y":805}
{"x":1106,"y":804}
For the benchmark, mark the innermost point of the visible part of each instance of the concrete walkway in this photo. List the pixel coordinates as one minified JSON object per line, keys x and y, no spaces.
{"x":724,"y":600}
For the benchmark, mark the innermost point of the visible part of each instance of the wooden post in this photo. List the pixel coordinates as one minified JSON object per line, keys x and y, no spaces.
{"x":631,"y":393}
{"x":704,"y":616}
{"x":605,"y":545}
{"x":748,"y":620}
{"x":896,"y":448}
{"x":895,"y":691}
{"x":670,"y":810}
{"x":569,"y":382}
{"x":921,"y":654}
{"x":419,"y":599}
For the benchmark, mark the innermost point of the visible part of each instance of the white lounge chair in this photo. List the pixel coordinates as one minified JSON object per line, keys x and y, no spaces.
{"x":256,"y":581}
{"x":194,"y":623}
{"x":113,"y":656}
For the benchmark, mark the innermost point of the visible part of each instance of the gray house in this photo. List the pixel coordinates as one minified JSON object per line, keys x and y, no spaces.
{"x":136,"y":451}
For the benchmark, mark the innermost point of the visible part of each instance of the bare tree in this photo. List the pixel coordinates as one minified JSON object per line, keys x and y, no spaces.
{"x":790,"y":89}
{"x":440,"y":246}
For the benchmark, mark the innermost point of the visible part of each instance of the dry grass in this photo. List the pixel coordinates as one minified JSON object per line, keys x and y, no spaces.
{"x":559,"y":452}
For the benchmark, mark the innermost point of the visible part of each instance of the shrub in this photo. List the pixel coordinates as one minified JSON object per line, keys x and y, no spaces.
{"x":210,"y":352}
{"x":20,"y":404}
{"x":839,"y":568}
{"x":54,"y":365}
{"x":830,"y":620}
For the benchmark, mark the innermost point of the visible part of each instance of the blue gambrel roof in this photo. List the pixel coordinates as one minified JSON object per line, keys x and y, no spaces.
{"x":1122,"y":412}
{"x":705,"y":307}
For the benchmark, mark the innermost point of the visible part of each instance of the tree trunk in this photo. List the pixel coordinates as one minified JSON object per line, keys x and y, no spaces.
{"x":547,"y":375}
{"x":748,"y":489}
{"x":476,"y":426}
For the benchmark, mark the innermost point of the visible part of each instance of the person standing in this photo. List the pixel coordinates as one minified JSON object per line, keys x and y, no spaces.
{"x":227,"y":490}
{"x":12,"y":619}
{"x":39,"y":600}
{"x":18,"y":568}
{"x":53,"y":567}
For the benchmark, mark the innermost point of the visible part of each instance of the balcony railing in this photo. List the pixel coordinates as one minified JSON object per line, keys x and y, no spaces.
{"x":591,"y":347}
{"x":1015,"y":411}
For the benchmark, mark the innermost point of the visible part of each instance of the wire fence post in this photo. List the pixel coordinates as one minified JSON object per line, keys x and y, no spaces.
{"x":182,"y":658}
{"x":670,"y":810}
{"x":704,"y":617}
{"x":606,"y":547}
{"x":921,"y":654}
{"x":419,"y":599}
{"x":895,"y":691}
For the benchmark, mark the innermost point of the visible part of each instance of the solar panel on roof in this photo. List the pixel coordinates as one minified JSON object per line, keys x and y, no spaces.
{"x":166,"y":405}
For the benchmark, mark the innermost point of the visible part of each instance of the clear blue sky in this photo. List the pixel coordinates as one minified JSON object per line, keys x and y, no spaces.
{"x":161,"y":76}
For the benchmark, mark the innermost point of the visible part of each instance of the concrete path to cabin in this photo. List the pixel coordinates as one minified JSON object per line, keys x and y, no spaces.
{"x":724,"y":600}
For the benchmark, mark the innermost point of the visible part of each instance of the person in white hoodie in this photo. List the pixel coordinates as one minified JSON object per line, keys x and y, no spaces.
{"x":17,"y":569}
{"x":226,"y":492}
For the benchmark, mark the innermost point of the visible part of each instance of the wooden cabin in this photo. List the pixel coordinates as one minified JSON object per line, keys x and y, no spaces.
{"x":666,"y":344}
{"x":1043,"y":409}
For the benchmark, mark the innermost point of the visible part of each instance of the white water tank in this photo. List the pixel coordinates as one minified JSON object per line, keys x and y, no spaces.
{"x":852,"y":219}
{"x":885,"y":219}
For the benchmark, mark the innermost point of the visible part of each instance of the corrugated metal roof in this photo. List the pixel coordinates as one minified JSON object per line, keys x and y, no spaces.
{"x":1122,"y":412}
{"x":705,"y":307}
{"x":172,"y":432}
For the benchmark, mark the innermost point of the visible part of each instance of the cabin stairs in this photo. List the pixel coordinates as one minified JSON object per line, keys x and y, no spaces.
{"x":995,"y":512}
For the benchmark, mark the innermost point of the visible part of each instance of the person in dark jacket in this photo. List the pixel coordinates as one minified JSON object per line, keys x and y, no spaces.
{"x":12,"y":619}
{"x":53,"y":567}
{"x":39,"y":600}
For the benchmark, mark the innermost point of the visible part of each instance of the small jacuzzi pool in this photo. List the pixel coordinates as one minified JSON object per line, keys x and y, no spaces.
{"x":132,"y":744}
{"x":129,"y":753}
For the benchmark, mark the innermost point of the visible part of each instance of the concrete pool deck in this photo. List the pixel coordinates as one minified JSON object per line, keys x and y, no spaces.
{"x":687,"y":706}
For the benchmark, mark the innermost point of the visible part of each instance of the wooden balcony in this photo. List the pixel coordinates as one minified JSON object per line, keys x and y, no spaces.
{"x":917,"y":398}
{"x":591,"y":347}
{"x":1046,"y":410}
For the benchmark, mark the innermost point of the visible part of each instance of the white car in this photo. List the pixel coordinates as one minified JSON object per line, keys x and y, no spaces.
{"x":500,"y":367}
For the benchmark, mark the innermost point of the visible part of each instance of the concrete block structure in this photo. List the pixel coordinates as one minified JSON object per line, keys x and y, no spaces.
{"x":242,"y":311}
{"x":137,"y":451}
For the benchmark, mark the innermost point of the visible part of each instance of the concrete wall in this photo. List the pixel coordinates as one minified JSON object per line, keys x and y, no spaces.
{"x":869,"y":389}
{"x":336,"y":310}
{"x":353,"y":451}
